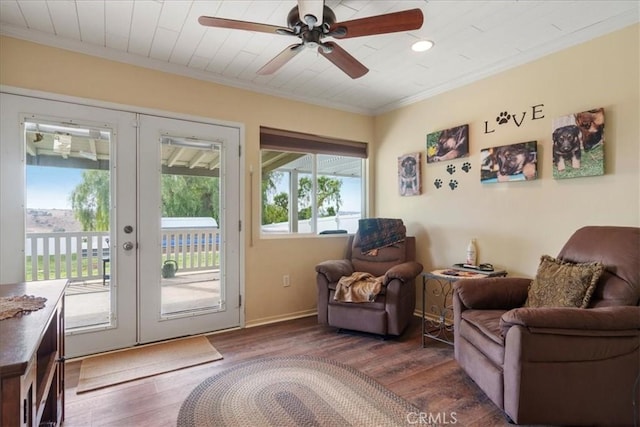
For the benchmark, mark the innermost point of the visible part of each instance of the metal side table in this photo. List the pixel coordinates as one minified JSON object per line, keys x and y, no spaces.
{"x":439,"y":324}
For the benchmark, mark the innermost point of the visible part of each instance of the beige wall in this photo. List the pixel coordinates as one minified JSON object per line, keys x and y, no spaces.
{"x":516,"y":222}
{"x":36,"y":67}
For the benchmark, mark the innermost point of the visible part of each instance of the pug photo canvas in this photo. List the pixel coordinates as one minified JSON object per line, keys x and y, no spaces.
{"x":578,"y":144}
{"x":409,"y":174}
{"x":448,"y":144}
{"x":514,"y":162}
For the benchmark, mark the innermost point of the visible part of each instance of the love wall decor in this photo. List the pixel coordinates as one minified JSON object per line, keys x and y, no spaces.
{"x":505,"y":118}
{"x":577,"y":148}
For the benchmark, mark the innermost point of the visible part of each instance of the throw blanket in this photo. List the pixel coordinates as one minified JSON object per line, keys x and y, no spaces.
{"x":376,"y":233}
{"x":359,"y":287}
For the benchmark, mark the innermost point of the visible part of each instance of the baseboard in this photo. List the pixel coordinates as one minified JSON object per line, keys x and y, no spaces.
{"x":280,"y":318}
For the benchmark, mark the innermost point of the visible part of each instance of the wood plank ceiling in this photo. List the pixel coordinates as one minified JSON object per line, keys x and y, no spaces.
{"x":473,"y":39}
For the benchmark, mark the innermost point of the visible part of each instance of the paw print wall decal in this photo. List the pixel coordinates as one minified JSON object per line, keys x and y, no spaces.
{"x":451,"y":169}
{"x":503,"y":118}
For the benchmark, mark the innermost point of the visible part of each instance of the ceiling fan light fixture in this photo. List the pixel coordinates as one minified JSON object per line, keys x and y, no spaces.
{"x":422,"y":45}
{"x":310,"y":20}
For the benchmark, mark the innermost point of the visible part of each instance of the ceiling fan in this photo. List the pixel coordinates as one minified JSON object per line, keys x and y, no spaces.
{"x":312,"y":21}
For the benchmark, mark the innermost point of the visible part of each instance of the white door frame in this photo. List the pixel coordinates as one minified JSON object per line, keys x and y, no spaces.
{"x":152,"y":325}
{"x":121,"y":331}
{"x":13,"y":201}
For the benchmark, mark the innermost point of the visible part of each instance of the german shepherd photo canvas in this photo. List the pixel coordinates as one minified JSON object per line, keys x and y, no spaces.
{"x":515,"y":162}
{"x":448,"y":144}
{"x":578,"y":144}
{"x":409,"y":174}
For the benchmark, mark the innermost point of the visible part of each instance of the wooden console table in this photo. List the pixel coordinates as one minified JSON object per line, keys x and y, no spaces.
{"x":32,"y":358}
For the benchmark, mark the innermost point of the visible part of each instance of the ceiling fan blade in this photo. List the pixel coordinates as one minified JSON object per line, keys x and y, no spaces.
{"x":210,"y":21}
{"x":343,"y":60}
{"x":311,"y":12}
{"x":280,"y":59}
{"x":381,"y":24}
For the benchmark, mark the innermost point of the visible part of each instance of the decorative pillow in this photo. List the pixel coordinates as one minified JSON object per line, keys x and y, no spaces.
{"x":563,"y":284}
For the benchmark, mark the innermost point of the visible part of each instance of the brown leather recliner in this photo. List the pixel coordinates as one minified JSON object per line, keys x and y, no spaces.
{"x":561,"y":366}
{"x":392,"y":309}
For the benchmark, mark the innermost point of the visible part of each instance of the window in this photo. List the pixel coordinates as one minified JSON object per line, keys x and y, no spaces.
{"x":310,"y":184}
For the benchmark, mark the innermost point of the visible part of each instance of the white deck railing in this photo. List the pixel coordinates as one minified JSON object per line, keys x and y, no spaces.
{"x":194,"y":249}
{"x":86,"y":255}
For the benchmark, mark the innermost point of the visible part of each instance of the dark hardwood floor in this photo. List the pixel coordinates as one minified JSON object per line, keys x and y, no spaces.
{"x":427,"y":377}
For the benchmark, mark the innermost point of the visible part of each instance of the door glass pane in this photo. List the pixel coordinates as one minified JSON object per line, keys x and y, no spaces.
{"x":67,"y":216}
{"x":190,"y":243}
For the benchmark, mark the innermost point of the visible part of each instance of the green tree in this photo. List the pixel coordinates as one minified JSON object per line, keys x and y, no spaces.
{"x":90,"y":200}
{"x":190,"y":196}
{"x":274,"y":213}
{"x":328,"y":194}
{"x":305,"y":187}
{"x":275,"y":207}
{"x":182,"y":196}
{"x":270,"y":182}
{"x":328,"y":198}
{"x":282,"y":200}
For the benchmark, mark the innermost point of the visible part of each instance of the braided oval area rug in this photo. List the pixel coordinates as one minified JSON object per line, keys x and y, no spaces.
{"x":293,"y":391}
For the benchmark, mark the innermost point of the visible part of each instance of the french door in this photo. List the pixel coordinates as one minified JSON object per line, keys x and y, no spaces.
{"x":89,"y":195}
{"x":189,"y":245}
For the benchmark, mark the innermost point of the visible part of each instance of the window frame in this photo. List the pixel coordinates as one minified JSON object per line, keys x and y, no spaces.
{"x":277,"y":140}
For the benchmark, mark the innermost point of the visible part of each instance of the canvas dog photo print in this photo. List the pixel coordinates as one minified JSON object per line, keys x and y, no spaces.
{"x":409,"y":174}
{"x":515,"y":162}
{"x":578,"y":144}
{"x":448,"y":144}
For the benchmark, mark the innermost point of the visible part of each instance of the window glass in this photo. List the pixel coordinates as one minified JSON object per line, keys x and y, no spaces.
{"x":310,"y":193}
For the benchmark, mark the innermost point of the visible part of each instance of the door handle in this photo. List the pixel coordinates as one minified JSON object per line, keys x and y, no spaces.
{"x":127,"y":246}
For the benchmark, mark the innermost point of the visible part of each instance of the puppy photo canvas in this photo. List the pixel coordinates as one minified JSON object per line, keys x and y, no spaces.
{"x":409,"y":174}
{"x":515,"y":162}
{"x":448,"y":144}
{"x":578,"y":144}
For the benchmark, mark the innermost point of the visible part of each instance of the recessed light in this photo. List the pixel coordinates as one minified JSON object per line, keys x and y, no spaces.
{"x":422,"y":45}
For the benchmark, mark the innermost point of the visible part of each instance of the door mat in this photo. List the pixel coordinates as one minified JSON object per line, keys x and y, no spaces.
{"x":121,"y":366}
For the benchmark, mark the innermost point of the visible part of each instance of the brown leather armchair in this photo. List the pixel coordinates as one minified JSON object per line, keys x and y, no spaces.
{"x":392,"y":309}
{"x":551,"y":365}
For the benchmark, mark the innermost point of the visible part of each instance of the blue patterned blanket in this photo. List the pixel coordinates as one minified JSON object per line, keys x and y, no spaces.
{"x":376,"y":233}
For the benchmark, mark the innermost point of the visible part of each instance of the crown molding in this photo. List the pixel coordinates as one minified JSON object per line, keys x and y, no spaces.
{"x":577,"y":37}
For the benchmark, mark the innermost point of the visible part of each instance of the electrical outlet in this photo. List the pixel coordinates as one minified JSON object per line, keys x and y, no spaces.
{"x":285,"y":281}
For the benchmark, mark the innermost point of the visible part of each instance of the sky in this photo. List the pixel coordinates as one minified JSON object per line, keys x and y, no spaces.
{"x":50,"y":187}
{"x":351,"y":195}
